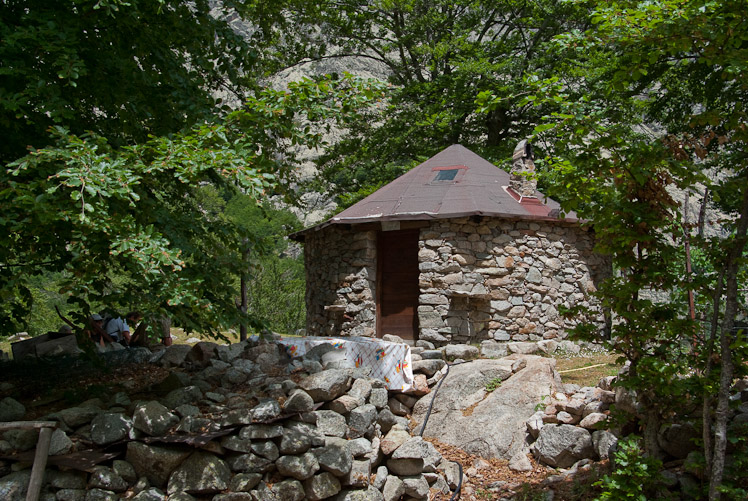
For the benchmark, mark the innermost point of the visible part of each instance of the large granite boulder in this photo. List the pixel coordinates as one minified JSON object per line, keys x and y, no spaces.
{"x":562,"y":445}
{"x":327,"y":385}
{"x":490,"y":424}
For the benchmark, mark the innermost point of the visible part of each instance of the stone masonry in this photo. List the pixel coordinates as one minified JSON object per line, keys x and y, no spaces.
{"x":341,"y":273}
{"x":480,"y":278}
{"x":503,"y":280}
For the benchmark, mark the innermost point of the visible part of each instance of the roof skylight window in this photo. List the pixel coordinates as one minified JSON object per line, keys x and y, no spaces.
{"x":446,"y":175}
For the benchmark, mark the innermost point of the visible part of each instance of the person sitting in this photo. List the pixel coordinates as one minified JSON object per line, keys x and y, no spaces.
{"x":65,"y":329}
{"x":119,"y":330}
{"x":96,"y":330}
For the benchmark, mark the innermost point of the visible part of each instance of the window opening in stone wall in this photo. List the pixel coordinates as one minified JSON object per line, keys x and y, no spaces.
{"x":446,"y":175}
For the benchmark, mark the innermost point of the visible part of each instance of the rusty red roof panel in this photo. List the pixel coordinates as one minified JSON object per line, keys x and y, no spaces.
{"x":478,"y":188}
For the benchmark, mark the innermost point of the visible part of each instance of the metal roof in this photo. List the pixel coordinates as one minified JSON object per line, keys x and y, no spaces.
{"x":478,"y":188}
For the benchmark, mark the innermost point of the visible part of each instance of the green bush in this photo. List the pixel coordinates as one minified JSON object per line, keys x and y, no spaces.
{"x":636,"y":476}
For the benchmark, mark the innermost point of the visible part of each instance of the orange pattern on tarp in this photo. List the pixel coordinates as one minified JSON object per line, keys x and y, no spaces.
{"x":389,"y":362}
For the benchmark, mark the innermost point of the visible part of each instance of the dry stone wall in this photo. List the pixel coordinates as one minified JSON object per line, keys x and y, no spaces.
{"x":503,"y":280}
{"x":341,"y":272}
{"x":480,"y":279}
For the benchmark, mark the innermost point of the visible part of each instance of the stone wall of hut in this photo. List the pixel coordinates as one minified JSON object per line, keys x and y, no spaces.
{"x":341,"y":275}
{"x":504,"y":280}
{"x":480,"y":278}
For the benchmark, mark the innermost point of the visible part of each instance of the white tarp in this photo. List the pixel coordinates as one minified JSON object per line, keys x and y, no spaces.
{"x":389,"y":362}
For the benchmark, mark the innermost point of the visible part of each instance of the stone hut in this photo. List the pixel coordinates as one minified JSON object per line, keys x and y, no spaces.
{"x":454,"y":251}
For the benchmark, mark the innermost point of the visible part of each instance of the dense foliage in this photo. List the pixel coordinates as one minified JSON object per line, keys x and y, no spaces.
{"x":439,"y":56}
{"x":110,"y":198}
{"x":649,"y":112}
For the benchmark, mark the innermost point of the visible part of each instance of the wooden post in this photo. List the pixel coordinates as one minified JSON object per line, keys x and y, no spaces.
{"x":40,"y":464}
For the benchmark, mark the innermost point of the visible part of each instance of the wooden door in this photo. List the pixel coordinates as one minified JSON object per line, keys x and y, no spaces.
{"x":397,"y":291}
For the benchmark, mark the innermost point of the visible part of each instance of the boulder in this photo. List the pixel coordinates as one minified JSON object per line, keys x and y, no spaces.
{"x":321,"y":486}
{"x":96,"y":494}
{"x":327,"y":385}
{"x":267,"y":409}
{"x":492,"y":349}
{"x":202,"y":353}
{"x":420,"y":386}
{"x":432,"y":354}
{"x":149,"y":494}
{"x":262,"y":431}
{"x":547,"y":346}
{"x":520,"y":462}
{"x":110,"y":427}
{"x":378,"y":398}
{"x":428,"y":366}
{"x":201,"y":473}
{"x":295,"y":442}
{"x":594,"y":421}
{"x":416,"y":487}
{"x":394,"y":439}
{"x":182,"y":396}
{"x":334,"y":457}
{"x":244,"y":482}
{"x":535,"y":423}
{"x":462,"y":351}
{"x":368,"y":494}
{"x":331,"y":423}
{"x":299,"y":467}
{"x":678,"y":439}
{"x":523,"y":348}
{"x":75,"y":417}
{"x":397,"y":407}
{"x":298,"y":401}
{"x":11,"y":409}
{"x":174,"y":355}
{"x":288,"y":490}
{"x":496,"y":426}
{"x":417,"y":448}
{"x":60,"y":443}
{"x":153,"y":418}
{"x":394,"y":488}
{"x":345,"y":404}
{"x":360,"y":390}
{"x":266,"y":449}
{"x":155,"y":462}
{"x":361,"y":420}
{"x":563,"y":445}
{"x":13,"y":487}
{"x":103,"y":477}
{"x":250,"y":463}
{"x":602,"y":441}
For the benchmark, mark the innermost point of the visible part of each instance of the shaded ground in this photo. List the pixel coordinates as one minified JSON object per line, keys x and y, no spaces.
{"x":492,"y":479}
{"x":48,"y":387}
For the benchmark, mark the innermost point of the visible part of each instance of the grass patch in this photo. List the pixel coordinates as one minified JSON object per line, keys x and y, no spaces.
{"x":605,"y":362}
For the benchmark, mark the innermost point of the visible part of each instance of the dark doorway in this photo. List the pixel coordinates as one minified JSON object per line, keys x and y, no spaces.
{"x":397,"y":291}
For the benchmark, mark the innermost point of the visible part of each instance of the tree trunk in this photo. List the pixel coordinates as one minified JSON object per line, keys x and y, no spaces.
{"x":651,"y":431}
{"x":726,"y":339}
{"x":702,"y":212}
{"x":706,"y":432}
{"x":243,"y":306}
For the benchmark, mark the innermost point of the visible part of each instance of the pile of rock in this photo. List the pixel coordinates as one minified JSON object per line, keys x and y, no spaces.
{"x":570,"y":426}
{"x":240,"y":422}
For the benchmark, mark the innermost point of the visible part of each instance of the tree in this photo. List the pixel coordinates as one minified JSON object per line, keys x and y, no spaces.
{"x":439,"y":55}
{"x":125,"y":70}
{"x":652,"y":98}
{"x":114,"y":190}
